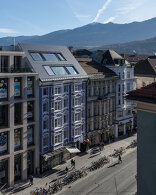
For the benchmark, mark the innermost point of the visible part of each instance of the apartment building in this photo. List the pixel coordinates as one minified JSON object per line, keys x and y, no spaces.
{"x":145,"y":98}
{"x":62,"y":90}
{"x":19,"y":136}
{"x":100,"y":101}
{"x":124,"y":117}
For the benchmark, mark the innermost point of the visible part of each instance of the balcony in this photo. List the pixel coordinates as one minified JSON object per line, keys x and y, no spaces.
{"x":15,"y":70}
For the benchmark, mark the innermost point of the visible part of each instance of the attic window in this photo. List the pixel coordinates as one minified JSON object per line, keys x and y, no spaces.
{"x":60,"y":70}
{"x":47,"y":56}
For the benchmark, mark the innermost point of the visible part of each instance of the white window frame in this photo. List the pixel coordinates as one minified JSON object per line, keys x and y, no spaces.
{"x":75,"y":116}
{"x":66,"y":114}
{"x":66,"y":87}
{"x":77,"y":101}
{"x":59,"y":138}
{"x":77,"y":131}
{"x":77,"y":87}
{"x":58,"y":126}
{"x":57,"y":90}
{"x":58,"y":105}
{"x":66,"y":129}
{"x":65,"y":99}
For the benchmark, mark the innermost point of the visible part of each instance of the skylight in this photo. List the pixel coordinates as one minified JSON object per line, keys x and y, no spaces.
{"x":60,"y":70}
{"x":36,"y":56}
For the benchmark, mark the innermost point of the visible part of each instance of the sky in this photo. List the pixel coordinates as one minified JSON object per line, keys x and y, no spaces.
{"x":38,"y":17}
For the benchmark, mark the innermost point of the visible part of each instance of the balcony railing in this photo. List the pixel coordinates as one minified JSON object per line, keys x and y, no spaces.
{"x":15,"y":70}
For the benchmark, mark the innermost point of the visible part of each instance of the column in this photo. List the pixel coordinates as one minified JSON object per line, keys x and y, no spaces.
{"x":124,"y":129}
{"x":116,"y":130}
{"x":11,"y":133}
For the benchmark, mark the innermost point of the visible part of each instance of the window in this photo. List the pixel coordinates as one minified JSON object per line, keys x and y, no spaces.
{"x":65,"y":88}
{"x":4,"y":116}
{"x":36,"y":56}
{"x":77,"y":116}
{"x":61,"y":57}
{"x":45,"y":91}
{"x":58,"y":105}
{"x":128,"y":86}
{"x":17,"y":113}
{"x":77,"y":87}
{"x":4,"y":63}
{"x":65,"y":102}
{"x":30,"y":87}
{"x":57,"y":90}
{"x":120,"y":113}
{"x":77,"y":101}
{"x":59,"y":70}
{"x":45,"y":107}
{"x":65,"y":133}
{"x":17,"y":139}
{"x":45,"y":141}
{"x":77,"y":131}
{"x":57,"y":139}
{"x":30,"y":135}
{"x":49,"y":70}
{"x":17,"y":87}
{"x":119,"y":101}
{"x":3,"y":142}
{"x":3,"y":89}
{"x":45,"y":124}
{"x":118,"y":88}
{"x":83,"y":113}
{"x":58,"y":122}
{"x":128,"y":74}
{"x":66,"y":118}
{"x":71,"y":70}
{"x":30,"y":111}
{"x":50,"y":57}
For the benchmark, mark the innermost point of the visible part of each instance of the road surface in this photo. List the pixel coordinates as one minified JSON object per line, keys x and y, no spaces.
{"x":117,"y":179}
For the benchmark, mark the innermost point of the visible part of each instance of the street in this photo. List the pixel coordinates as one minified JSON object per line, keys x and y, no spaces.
{"x":116,"y":179}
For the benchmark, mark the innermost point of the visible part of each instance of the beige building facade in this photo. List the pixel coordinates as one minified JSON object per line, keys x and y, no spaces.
{"x":100,"y":109}
{"x":19,"y":130}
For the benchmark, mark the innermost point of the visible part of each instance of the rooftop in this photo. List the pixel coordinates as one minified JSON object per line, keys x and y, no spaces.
{"x":144,"y":94}
{"x":146,"y":67}
{"x":91,"y":67}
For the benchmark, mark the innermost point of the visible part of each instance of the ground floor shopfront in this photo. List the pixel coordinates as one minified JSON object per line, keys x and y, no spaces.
{"x":52,"y":159}
{"x":17,"y":167}
{"x":124,"y":127}
{"x":103,"y":136}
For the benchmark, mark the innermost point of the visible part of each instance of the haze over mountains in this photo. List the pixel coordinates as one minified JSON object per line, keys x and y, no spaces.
{"x":97,"y":35}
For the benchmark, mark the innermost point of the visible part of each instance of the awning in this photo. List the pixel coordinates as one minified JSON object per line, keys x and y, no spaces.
{"x":73,"y":150}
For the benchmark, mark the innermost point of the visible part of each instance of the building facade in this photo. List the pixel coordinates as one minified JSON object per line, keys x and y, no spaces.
{"x":62,"y":101}
{"x":100,"y":101}
{"x":126,"y":82}
{"x":145,"y":98}
{"x":19,"y":136}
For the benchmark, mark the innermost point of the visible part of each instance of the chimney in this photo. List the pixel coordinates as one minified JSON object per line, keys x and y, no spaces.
{"x":71,"y":49}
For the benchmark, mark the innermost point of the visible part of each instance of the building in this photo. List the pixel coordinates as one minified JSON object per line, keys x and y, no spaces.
{"x":134,"y":58}
{"x":145,"y":71}
{"x":146,"y":138}
{"x":62,"y":89}
{"x":100,"y":101}
{"x":115,"y":62}
{"x":19,"y":136}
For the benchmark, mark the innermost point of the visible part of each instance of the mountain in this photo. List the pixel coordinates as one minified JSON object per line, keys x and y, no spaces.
{"x":147,"y":46}
{"x":93,"y":35}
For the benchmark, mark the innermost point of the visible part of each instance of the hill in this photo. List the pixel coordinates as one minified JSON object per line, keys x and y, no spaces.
{"x":93,"y":35}
{"x":147,"y":46}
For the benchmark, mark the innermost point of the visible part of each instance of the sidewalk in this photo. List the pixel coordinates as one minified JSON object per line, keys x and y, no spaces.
{"x":82,"y":160}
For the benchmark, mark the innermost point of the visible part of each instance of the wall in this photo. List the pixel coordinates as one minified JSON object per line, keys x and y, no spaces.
{"x":146,"y":165}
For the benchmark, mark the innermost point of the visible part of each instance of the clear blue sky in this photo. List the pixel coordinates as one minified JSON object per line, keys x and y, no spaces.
{"x":38,"y":17}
